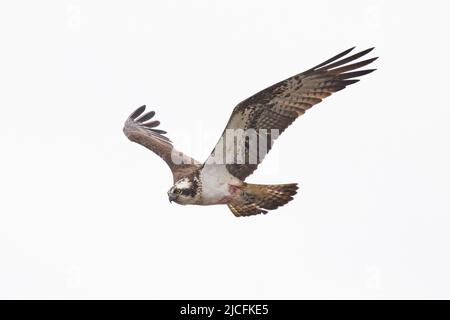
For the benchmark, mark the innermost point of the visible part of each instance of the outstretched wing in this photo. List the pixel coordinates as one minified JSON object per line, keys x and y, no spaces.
{"x":139,"y":129}
{"x":272,"y":110}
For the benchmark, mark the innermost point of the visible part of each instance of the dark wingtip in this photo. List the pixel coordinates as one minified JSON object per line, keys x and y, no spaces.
{"x":139,"y":118}
{"x":367,"y":50}
{"x":159,"y":131}
{"x":351,"y":81}
{"x":151,"y":124}
{"x":336,"y":57}
{"x":347,"y":51}
{"x":146,"y":116}
{"x":355,"y":74}
{"x":136,"y":113}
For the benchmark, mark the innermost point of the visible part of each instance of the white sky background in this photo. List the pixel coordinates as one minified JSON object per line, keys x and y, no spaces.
{"x":84,"y":212}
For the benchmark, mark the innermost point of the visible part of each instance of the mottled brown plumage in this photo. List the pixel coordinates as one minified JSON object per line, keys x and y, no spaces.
{"x":139,"y":130}
{"x":268,"y":113}
{"x":258,"y":198}
{"x":277,"y":106}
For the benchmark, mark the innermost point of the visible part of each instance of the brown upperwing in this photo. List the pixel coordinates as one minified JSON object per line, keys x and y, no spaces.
{"x":277,"y":106}
{"x":139,"y":129}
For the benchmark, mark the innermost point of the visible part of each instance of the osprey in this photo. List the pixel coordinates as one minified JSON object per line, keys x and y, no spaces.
{"x":248,"y":136}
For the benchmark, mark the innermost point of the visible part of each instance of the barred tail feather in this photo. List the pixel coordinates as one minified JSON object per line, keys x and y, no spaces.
{"x":258,"y":198}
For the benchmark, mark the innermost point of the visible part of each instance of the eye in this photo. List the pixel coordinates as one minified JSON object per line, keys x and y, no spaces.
{"x":185,"y":192}
{"x":176,"y":191}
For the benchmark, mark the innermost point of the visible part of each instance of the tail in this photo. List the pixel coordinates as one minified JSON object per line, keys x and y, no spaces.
{"x":258,"y":198}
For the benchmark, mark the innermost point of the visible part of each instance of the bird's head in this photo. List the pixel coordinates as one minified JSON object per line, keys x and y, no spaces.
{"x":184,"y":191}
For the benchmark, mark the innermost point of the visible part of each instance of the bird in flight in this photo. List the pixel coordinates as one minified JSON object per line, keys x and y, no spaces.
{"x":248,"y":136}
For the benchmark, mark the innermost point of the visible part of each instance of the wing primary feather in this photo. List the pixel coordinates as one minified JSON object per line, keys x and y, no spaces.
{"x":338,"y":56}
{"x":146,"y":116}
{"x":348,"y":59}
{"x":136,"y":113}
{"x":161,"y":137}
{"x":151,"y":124}
{"x":158,"y":131}
{"x":353,"y":66}
{"x":355,"y":74}
{"x":349,"y":82}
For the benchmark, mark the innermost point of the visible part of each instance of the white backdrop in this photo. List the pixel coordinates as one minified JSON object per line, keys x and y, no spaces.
{"x":84,"y":212}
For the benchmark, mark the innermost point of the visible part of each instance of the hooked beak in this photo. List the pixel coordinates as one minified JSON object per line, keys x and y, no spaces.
{"x":172,"y":197}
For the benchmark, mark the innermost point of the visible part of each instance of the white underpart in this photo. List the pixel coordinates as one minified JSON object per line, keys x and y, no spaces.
{"x":215,"y":180}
